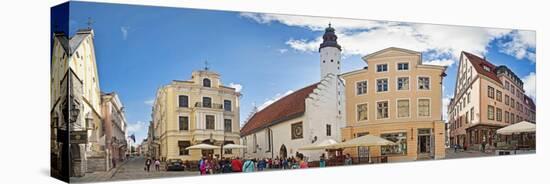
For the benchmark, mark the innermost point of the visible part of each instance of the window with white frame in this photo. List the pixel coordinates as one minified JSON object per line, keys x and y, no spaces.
{"x":362,"y":112}
{"x":403,"y":83}
{"x":382,"y":68}
{"x":424,"y":107}
{"x":382,"y":110}
{"x":361,"y":87}
{"x":403,"y":109}
{"x":499,"y":114}
{"x":491,"y":112}
{"x":402,"y":66}
{"x":423,"y":83}
{"x":382,"y":85}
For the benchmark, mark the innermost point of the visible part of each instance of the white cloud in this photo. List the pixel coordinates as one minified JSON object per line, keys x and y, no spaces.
{"x":521,"y":45}
{"x":440,"y":62}
{"x":237,"y":87}
{"x":361,"y":37}
{"x":149,"y":102}
{"x":136,"y":127}
{"x":274,"y":99}
{"x":529,"y":85}
{"x":124,"y":31}
{"x":282,"y":51}
{"x":313,"y":23}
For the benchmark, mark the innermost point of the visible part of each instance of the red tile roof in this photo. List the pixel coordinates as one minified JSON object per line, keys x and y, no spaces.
{"x":478,"y":64}
{"x":530,"y":102}
{"x":288,"y":107}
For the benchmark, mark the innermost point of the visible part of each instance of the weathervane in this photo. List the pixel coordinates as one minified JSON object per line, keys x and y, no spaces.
{"x":90,"y":22}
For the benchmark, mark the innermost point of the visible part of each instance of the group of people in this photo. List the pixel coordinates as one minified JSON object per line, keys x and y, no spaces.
{"x":209,"y":165}
{"x":150,"y":162}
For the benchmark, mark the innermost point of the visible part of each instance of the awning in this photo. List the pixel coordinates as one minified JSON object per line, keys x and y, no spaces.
{"x":521,"y":127}
{"x":202,"y":147}
{"x":233,"y":146}
{"x":365,"y":140}
{"x":319,"y":145}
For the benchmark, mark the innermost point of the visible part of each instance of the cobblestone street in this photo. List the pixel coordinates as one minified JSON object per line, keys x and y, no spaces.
{"x":451,"y":154}
{"x":132,"y":169}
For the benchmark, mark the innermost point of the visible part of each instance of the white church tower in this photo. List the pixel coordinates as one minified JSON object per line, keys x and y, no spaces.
{"x":330,"y":53}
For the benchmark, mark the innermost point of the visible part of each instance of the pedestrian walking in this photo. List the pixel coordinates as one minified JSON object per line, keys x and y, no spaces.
{"x":302,"y":164}
{"x":157,"y":165}
{"x":202,"y":166}
{"x":348,"y":160}
{"x":261,"y":164}
{"x":147,"y":164}
{"x":236,"y":165}
{"x":322,"y":161}
{"x":227,"y":167}
{"x":248,"y":166}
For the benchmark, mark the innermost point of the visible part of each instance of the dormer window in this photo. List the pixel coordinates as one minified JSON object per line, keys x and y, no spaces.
{"x":206,"y":82}
{"x":486,"y":68}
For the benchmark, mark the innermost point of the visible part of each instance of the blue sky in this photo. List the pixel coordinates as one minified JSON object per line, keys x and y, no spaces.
{"x":140,"y":48}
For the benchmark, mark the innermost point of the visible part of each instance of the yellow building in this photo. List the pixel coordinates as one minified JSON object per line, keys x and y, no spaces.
{"x":397,"y":98}
{"x":199,"y":110}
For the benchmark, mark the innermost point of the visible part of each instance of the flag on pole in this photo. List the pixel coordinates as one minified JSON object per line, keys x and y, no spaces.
{"x":133,"y":137}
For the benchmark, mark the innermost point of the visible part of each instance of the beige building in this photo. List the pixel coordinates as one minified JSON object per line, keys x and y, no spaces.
{"x":397,"y":98}
{"x":114,"y":121}
{"x":199,"y":110}
{"x":74,"y":62}
{"x":486,"y":98}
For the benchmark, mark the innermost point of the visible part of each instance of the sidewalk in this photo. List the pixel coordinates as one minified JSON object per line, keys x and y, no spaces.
{"x":99,"y":176}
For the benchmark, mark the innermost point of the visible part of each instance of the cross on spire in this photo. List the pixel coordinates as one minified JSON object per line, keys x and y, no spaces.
{"x":206,"y":65}
{"x":90,"y":22}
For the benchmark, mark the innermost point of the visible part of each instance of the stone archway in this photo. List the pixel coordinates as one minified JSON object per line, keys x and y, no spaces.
{"x":283,"y":152}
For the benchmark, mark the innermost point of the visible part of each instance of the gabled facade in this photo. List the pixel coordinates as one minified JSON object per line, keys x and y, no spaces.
{"x":486,"y":97}
{"x":73,"y":61}
{"x":199,"y":110}
{"x":398,"y":98}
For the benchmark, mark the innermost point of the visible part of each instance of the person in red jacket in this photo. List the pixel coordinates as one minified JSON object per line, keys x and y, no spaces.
{"x":236,"y":165}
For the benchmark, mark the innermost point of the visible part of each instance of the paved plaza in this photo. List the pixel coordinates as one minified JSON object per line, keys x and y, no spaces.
{"x":131,"y":169}
{"x":451,"y":154}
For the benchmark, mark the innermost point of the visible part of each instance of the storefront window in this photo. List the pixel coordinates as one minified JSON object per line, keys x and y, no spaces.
{"x":400,"y":149}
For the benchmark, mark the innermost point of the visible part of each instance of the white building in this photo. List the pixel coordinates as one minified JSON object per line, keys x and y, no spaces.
{"x":309,"y":115}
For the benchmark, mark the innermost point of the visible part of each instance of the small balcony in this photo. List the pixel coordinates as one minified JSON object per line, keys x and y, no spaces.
{"x":209,"y":105}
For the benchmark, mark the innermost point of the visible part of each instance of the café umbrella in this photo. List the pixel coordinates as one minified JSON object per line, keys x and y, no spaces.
{"x":320,"y":145}
{"x":233,"y":146}
{"x":517,"y":128}
{"x":363,"y":141}
{"x":202,"y":147}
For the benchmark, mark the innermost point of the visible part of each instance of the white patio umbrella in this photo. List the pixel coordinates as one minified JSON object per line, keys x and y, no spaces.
{"x":202,"y":147}
{"x":233,"y":146}
{"x":363,"y":141}
{"x":521,"y":127}
{"x":319,"y":145}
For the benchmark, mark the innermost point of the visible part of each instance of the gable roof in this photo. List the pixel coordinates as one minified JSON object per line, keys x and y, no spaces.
{"x":390,"y":49}
{"x":70,"y":45}
{"x":288,"y":107}
{"x":479,"y":63}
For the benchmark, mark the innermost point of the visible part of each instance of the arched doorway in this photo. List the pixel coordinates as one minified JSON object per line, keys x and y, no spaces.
{"x":282,"y":151}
